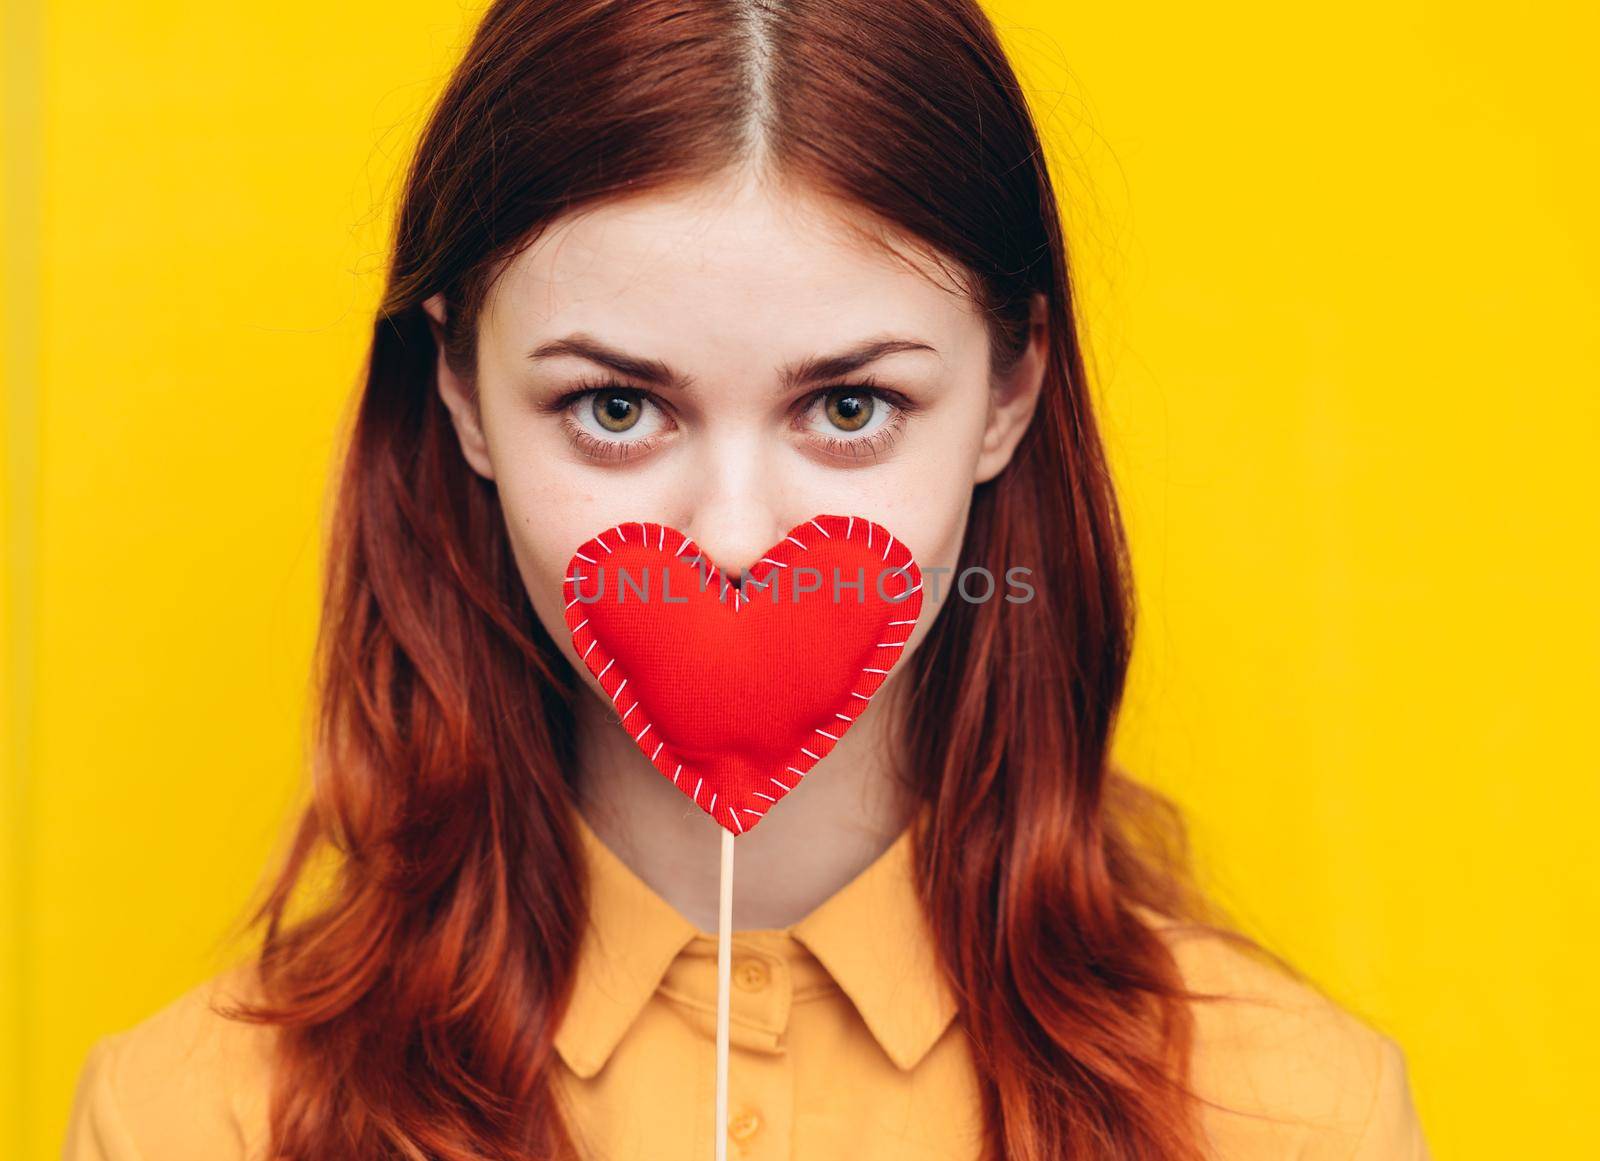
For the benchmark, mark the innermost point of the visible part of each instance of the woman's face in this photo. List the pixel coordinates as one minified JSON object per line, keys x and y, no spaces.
{"x":730,"y":363}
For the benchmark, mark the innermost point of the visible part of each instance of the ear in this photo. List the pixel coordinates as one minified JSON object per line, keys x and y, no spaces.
{"x":1013,"y":399}
{"x":459,"y":397}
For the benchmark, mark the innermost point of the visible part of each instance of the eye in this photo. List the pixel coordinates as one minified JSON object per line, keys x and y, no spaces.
{"x":849,"y":409}
{"x":612,"y":422}
{"x":860,"y":421}
{"x":616,"y":411}
{"x":607,"y":420}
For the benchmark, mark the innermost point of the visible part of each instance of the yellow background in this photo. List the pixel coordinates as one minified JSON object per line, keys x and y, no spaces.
{"x":1339,"y":267}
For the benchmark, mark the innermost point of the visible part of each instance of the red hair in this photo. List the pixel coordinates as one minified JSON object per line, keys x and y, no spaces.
{"x":419,"y":995}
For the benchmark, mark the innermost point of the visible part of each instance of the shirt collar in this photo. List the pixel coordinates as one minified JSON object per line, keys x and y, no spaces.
{"x":871,"y":936}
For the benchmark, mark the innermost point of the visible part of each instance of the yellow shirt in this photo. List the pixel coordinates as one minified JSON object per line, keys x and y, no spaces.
{"x":842,"y":1044}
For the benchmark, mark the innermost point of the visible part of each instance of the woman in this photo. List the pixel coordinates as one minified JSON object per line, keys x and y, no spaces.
{"x":726,"y":265}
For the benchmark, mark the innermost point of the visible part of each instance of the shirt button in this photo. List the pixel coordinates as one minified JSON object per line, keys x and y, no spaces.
{"x":752,"y":975}
{"x":743,"y":1126}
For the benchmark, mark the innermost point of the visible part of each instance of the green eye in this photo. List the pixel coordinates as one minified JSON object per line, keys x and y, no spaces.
{"x":849,"y":409}
{"x":615,"y":410}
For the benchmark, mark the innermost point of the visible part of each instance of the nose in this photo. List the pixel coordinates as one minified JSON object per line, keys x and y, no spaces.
{"x":735,"y":510}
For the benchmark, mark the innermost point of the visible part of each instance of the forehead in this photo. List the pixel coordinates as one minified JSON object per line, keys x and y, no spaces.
{"x":732,"y":268}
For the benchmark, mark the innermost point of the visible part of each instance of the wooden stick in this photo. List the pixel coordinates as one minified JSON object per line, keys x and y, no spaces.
{"x":724,"y":978}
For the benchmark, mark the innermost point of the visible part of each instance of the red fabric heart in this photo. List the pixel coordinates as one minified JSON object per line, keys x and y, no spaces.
{"x":735,"y":694}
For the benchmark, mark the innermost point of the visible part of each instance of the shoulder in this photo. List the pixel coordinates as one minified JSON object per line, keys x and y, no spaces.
{"x":185,"y":1082}
{"x":1290,"y":1071}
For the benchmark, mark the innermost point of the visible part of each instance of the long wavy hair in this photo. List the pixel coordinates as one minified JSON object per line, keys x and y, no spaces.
{"x":418,"y":992}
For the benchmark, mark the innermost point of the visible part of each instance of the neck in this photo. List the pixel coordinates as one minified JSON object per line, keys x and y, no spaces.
{"x":822,"y":834}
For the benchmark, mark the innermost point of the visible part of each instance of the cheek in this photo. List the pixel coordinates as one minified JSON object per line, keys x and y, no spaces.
{"x":535,"y":545}
{"x":934,"y":531}
{"x":545,"y":520}
{"x":925,"y":504}
{"x":927,"y":500}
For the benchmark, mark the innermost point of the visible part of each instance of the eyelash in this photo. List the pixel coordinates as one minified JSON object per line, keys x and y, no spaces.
{"x":621,"y":450}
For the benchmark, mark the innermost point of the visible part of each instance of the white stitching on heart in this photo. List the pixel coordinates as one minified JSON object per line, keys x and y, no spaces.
{"x":746,"y":599}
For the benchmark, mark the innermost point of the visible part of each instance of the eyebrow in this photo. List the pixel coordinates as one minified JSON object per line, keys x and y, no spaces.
{"x":815,"y":368}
